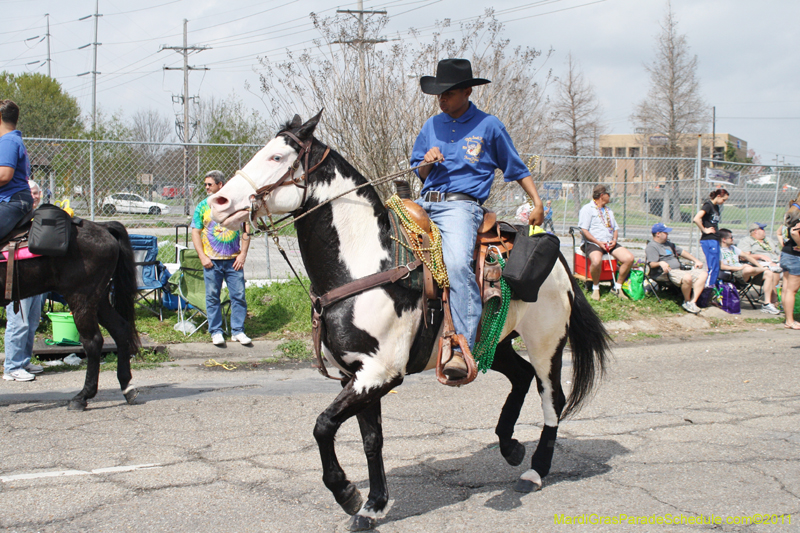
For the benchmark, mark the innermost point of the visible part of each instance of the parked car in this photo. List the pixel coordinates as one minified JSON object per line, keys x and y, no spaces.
{"x":124,"y":202}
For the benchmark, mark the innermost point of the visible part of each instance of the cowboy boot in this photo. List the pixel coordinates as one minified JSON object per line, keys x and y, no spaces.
{"x":455,"y":368}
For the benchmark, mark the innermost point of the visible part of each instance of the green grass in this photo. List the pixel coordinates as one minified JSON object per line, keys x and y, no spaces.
{"x":643,"y":335}
{"x":295,"y":349}
{"x":764,"y":320}
{"x":280,"y":311}
{"x":611,"y":308}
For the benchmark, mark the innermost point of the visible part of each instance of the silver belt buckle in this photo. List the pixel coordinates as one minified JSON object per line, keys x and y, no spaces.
{"x":434,"y":196}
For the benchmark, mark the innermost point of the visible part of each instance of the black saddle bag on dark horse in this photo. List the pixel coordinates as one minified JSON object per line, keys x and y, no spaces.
{"x":530,"y":262}
{"x":50,"y":231}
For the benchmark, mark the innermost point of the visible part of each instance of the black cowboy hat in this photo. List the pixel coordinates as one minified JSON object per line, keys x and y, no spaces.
{"x":450,"y":74}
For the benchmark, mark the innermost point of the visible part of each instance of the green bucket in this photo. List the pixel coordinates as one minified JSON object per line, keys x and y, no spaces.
{"x":64,"y":327}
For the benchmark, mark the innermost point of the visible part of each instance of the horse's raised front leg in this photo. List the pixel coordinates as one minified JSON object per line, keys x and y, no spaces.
{"x":120,"y":331}
{"x":369,"y":421}
{"x":92,"y":341}
{"x":348,"y":403}
{"x":548,"y":381}
{"x":520,"y":373}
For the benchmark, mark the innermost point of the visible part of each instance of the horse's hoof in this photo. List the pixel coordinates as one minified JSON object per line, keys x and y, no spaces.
{"x":76,"y":405}
{"x":353,"y":502}
{"x":526,"y":486}
{"x":361,"y":523}
{"x":517,"y":454}
{"x":131,"y":395}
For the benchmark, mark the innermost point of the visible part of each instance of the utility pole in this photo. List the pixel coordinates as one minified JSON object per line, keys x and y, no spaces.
{"x":713,"y":131}
{"x":94,"y":74}
{"x":184,"y":132}
{"x":48,"y":43}
{"x":361,"y":41}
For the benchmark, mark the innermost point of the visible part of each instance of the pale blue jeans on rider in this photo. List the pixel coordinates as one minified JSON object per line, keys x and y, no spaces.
{"x":458,"y":222}
{"x":20,"y":332}
{"x":234,"y":279}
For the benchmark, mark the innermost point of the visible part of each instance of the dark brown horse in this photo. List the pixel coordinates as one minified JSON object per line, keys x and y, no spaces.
{"x":99,"y":258}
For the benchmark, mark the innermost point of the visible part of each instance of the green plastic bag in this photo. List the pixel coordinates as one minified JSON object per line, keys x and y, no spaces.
{"x":796,"y":301}
{"x":634,"y":285}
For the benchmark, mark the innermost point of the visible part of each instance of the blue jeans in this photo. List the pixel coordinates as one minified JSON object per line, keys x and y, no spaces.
{"x":12,"y":211}
{"x":20,"y":332}
{"x":711,"y":250}
{"x":223,"y":269}
{"x":459,"y":222}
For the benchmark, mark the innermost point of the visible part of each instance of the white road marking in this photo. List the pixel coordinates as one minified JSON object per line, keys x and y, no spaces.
{"x":63,"y":473}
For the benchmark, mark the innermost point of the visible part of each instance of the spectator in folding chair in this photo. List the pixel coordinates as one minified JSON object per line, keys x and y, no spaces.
{"x":222,"y":253}
{"x":730,"y":256}
{"x":599,"y":229}
{"x":767,"y":251}
{"x":662,"y":257}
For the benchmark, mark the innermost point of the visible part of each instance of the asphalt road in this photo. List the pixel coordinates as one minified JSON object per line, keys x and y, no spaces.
{"x":709,"y":426}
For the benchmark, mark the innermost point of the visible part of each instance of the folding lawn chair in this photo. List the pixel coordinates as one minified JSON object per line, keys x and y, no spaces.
{"x":190,"y":286}
{"x":149,"y":273}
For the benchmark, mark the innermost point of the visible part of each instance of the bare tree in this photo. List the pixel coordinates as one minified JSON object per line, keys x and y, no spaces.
{"x":575,"y":123}
{"x":674,"y":107}
{"x":150,"y":126}
{"x":576,"y":114}
{"x":378,"y":134}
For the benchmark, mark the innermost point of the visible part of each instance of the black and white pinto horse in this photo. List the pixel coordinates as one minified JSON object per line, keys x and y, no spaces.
{"x":99,"y":256}
{"x":371,"y":337}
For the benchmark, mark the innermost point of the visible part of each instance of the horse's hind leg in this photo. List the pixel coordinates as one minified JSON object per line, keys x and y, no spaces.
{"x":120,"y":331}
{"x":92,"y":341}
{"x":348,"y":403}
{"x":520,"y":373}
{"x":546,"y":360}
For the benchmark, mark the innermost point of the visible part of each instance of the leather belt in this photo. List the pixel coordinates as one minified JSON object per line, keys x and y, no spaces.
{"x":436,"y":196}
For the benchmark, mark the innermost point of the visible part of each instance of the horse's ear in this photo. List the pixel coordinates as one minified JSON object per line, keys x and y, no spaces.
{"x":296,"y":122}
{"x":307,"y":129}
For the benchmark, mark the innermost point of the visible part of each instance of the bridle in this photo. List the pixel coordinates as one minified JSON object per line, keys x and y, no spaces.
{"x":258,"y":200}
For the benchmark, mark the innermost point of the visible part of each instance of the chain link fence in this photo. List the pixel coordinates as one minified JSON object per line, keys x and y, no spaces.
{"x":154,"y":187}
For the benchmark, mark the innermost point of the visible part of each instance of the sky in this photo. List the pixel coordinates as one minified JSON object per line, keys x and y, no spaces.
{"x":747,"y":51}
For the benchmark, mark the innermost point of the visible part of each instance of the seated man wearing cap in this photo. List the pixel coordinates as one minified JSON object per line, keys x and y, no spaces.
{"x":765,"y":249}
{"x":729,"y":260}
{"x":599,"y":229}
{"x":467,"y":146}
{"x":662,"y":256}
{"x":768,"y":253}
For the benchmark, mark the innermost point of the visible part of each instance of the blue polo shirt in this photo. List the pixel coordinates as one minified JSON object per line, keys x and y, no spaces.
{"x":473,"y":146}
{"x":13,"y":154}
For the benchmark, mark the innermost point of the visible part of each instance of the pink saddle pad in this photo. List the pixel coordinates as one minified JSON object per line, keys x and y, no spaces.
{"x":22,"y":253}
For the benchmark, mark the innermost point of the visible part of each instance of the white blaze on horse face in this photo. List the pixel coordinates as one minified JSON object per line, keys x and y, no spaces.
{"x":267,"y":166}
{"x":354,"y":219}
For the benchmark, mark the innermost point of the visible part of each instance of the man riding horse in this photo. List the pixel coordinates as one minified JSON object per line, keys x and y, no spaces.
{"x":468,"y":145}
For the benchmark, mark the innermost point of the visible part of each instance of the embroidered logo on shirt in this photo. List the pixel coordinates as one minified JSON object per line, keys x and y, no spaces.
{"x":474,"y":148}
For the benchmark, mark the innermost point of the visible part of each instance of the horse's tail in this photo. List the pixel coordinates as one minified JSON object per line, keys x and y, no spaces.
{"x":589,"y":341}
{"x":124,"y":281}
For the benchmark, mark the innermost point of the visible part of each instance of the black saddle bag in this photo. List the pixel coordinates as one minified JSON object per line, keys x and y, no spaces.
{"x":50,"y":232}
{"x":530,"y":262}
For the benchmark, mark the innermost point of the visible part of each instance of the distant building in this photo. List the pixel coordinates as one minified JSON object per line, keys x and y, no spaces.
{"x":642,"y":145}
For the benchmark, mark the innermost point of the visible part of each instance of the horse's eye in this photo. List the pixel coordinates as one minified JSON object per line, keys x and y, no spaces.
{"x":276,"y":157}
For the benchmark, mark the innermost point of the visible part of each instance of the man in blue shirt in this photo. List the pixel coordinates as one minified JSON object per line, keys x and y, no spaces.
{"x":15,"y":194}
{"x":467,"y":146}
